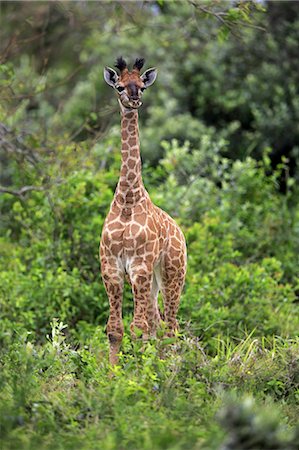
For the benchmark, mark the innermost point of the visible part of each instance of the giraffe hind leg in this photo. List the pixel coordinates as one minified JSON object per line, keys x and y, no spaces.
{"x":171,"y":292}
{"x":153,"y":312}
{"x":173,"y":278}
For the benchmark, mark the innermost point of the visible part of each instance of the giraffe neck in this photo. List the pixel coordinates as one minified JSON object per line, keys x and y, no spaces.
{"x":130,"y":189}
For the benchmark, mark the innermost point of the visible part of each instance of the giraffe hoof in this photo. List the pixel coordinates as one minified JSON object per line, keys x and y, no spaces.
{"x":114,"y":338}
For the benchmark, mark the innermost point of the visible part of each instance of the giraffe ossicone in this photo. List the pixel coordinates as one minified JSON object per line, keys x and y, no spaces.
{"x":140,"y":242}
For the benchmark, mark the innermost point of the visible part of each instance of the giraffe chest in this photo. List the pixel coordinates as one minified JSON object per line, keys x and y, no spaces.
{"x":139,"y":238}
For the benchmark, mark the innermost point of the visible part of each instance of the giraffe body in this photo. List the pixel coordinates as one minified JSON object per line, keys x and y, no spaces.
{"x":142,"y":243}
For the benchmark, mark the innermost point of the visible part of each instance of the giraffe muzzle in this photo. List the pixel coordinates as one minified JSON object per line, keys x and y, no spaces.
{"x":135,"y":103}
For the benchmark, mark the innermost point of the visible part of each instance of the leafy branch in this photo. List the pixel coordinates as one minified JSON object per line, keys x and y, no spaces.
{"x":22,"y":191}
{"x":233,"y":19}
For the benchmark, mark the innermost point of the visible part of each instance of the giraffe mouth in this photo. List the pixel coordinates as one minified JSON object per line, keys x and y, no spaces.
{"x":134,"y":104}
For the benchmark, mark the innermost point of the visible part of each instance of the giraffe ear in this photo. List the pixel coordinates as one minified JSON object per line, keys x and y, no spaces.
{"x":149,"y":76}
{"x":110,"y":76}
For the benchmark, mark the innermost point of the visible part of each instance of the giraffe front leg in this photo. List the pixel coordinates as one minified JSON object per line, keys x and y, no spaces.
{"x":141,"y":280}
{"x":115,"y":328}
{"x":114,"y":283}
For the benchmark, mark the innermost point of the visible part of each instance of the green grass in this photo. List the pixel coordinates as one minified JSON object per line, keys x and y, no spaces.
{"x":56,"y":396}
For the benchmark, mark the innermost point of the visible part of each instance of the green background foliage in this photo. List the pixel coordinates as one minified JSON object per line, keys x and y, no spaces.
{"x":219,"y":143}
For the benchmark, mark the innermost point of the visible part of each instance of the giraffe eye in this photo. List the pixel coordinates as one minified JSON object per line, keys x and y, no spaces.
{"x":120,"y":88}
{"x":142,"y":89}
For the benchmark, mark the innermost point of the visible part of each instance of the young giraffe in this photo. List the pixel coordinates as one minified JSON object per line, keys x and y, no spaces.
{"x":139,"y":240}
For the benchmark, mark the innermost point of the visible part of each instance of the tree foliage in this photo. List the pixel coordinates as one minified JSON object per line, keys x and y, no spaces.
{"x":219,"y":137}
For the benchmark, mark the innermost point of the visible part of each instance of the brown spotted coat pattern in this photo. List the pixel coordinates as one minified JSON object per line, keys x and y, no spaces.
{"x":142,"y":243}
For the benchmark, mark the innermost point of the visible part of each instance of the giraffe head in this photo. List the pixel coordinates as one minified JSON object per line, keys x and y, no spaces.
{"x":129,"y":86}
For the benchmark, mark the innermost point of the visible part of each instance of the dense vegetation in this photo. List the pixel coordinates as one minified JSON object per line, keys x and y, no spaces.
{"x":219,"y":134}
